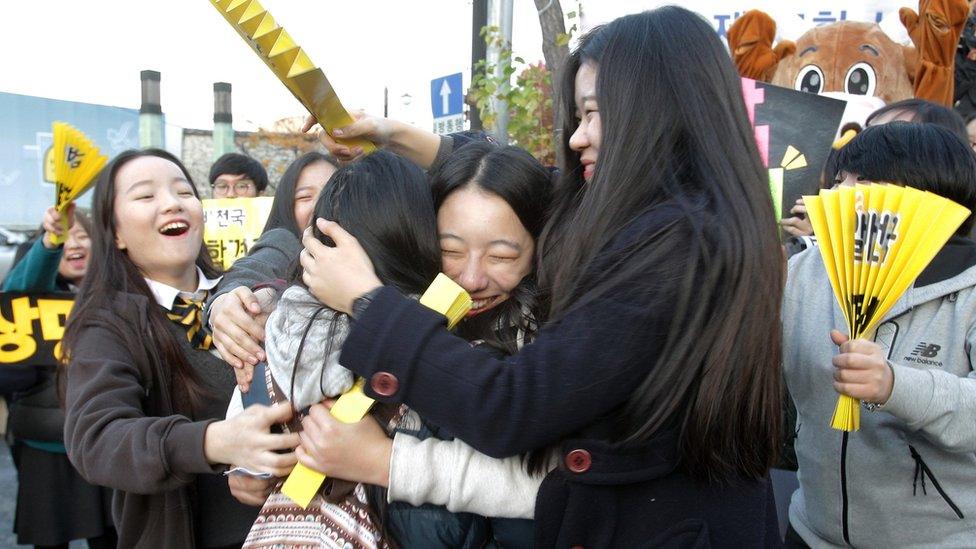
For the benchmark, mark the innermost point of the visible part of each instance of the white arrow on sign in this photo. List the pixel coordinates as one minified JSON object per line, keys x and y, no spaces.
{"x":445,"y":94}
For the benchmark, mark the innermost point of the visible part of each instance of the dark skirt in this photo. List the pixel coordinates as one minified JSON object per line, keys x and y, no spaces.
{"x":54,"y":504}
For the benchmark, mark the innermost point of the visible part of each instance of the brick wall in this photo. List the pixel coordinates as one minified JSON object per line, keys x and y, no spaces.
{"x":274,"y":151}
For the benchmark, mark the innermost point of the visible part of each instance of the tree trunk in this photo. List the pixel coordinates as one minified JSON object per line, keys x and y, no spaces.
{"x":552,"y":24}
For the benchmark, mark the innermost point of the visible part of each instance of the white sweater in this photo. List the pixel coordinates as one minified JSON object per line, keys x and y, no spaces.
{"x":455,"y":475}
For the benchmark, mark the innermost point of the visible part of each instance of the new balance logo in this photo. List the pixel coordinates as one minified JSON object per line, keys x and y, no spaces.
{"x":926,"y":350}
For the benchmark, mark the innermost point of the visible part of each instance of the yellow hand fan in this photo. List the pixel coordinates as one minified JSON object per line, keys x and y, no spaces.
{"x":875,"y":239}
{"x":76,"y":163}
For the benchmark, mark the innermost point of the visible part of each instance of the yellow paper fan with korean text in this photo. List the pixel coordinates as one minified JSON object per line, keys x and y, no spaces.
{"x":76,"y":161}
{"x":875,"y":239}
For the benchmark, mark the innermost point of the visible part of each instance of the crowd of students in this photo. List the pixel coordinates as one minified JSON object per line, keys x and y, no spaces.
{"x":619,"y":381}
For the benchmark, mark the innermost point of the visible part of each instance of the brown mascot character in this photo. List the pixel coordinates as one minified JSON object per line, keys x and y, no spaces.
{"x":847,"y":57}
{"x":857,"y":58}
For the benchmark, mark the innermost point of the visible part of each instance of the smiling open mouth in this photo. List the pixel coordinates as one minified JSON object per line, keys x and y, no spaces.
{"x":175,"y":228}
{"x":481,"y":305}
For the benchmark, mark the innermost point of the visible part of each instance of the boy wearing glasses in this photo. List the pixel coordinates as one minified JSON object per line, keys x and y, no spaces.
{"x":235,"y":175}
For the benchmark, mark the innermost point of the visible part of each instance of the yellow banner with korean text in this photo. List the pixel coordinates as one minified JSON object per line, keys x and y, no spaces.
{"x":31,"y":327}
{"x":231,"y":226}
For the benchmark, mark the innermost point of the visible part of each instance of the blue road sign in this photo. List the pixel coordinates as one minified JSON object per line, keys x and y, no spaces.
{"x":446,"y":96}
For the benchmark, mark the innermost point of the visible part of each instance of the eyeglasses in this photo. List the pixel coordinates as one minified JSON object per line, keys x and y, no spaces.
{"x":242,"y":187}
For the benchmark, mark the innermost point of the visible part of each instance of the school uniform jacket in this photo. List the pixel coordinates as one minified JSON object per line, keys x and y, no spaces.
{"x":124,"y":431}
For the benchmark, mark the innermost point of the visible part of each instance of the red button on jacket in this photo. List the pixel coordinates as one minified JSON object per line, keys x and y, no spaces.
{"x":384,"y":384}
{"x":578,"y":461}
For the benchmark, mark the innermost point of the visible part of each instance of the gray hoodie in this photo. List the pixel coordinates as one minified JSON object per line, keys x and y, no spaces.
{"x":908,"y":476}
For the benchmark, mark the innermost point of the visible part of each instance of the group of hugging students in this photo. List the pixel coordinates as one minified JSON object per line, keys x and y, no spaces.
{"x":621,"y":379}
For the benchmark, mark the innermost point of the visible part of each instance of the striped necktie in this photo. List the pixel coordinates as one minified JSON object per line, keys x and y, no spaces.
{"x":188,"y":313}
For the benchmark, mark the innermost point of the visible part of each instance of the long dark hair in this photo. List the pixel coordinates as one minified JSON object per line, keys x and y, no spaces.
{"x":675,"y":130}
{"x":383,"y":200}
{"x":111,"y":272}
{"x":525,"y":185}
{"x":283,"y":206}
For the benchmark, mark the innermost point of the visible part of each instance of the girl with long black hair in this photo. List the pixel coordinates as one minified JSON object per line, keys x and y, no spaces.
{"x":656,"y":372}
{"x":143,"y":393}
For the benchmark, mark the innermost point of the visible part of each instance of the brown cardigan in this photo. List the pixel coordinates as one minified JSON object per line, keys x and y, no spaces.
{"x":122,"y":431}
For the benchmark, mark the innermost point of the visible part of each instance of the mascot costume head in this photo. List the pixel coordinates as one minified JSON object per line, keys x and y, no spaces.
{"x":857,"y":59}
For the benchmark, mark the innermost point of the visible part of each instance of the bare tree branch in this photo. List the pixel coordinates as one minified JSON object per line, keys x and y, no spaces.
{"x":553,"y":28}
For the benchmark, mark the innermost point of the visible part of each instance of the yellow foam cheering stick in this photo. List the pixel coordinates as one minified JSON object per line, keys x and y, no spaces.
{"x":76,"y":162}
{"x":443,"y":296}
{"x":290,"y":64}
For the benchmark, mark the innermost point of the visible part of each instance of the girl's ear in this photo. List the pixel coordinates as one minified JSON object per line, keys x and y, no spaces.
{"x":119,"y":243}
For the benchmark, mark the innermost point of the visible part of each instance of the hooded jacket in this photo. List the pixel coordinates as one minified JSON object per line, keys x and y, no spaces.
{"x":906,"y":477}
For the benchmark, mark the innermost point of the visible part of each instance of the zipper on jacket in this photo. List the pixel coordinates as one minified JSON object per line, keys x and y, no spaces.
{"x":922,"y":470}
{"x":843,"y":486}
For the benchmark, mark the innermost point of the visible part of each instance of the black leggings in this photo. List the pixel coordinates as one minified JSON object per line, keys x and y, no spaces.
{"x":793,"y":540}
{"x":108,"y":540}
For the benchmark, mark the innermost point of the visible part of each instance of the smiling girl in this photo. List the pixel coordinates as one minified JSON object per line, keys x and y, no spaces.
{"x":143,"y":390}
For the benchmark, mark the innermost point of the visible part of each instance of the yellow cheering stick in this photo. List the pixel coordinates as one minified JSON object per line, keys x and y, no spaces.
{"x":443,"y":296}
{"x":290,"y":64}
{"x":875,"y":240}
{"x":75,"y":161}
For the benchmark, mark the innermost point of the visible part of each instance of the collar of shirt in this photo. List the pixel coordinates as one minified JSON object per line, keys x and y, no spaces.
{"x":166,"y":295}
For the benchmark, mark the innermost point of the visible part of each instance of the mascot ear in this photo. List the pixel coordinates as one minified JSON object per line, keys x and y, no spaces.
{"x":911,"y":62}
{"x":909,"y":20}
{"x":751,"y":45}
{"x":784,"y":48}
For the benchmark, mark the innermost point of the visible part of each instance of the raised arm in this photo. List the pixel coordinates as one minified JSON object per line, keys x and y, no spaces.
{"x":419,"y":146}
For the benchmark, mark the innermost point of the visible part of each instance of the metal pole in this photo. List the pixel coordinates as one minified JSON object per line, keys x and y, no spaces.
{"x":500,"y":15}
{"x":479,"y":19}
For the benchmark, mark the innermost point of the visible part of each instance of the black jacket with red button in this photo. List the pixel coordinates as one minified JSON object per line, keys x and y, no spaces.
{"x":566,"y":390}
